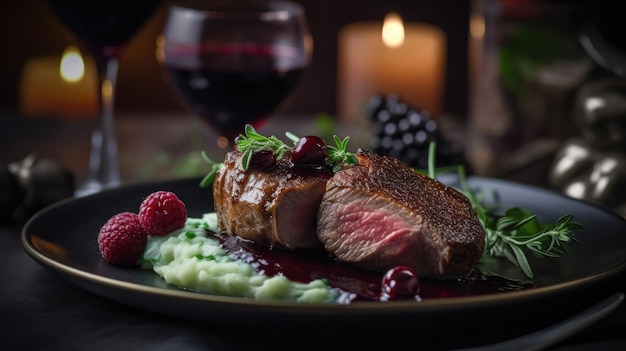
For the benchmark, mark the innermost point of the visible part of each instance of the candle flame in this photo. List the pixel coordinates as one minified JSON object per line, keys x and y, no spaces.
{"x":159,"y":52}
{"x":477,"y":27}
{"x":393,"y":30}
{"x":72,"y":66}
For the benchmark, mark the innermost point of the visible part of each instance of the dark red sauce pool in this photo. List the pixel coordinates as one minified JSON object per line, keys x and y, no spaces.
{"x":358,"y":284}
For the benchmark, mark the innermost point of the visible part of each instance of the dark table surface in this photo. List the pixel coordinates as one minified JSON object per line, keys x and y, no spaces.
{"x":41,"y":311}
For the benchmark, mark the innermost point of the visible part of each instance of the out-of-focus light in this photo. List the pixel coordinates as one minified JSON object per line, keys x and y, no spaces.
{"x":72,"y":67}
{"x":393,"y":30}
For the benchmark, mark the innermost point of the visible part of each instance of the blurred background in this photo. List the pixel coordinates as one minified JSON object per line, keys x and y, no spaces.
{"x":505,"y":90}
{"x":28,"y":30}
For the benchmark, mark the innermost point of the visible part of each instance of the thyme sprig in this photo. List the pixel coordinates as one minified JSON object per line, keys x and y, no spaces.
{"x":517,"y":233}
{"x":338,"y":155}
{"x":513,"y":235}
{"x":210,"y":177}
{"x":252,"y":141}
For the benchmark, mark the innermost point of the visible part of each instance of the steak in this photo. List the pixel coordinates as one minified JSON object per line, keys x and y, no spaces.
{"x":276,"y":208}
{"x":380,"y":213}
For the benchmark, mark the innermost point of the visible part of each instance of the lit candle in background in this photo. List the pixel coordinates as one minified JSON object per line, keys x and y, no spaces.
{"x":391,"y":57}
{"x":61,"y":87}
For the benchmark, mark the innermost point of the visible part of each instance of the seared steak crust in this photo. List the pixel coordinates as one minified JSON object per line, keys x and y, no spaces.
{"x":276,"y":208}
{"x":380,"y":213}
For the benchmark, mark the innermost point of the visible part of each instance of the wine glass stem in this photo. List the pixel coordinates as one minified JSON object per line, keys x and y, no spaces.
{"x":103,"y":163}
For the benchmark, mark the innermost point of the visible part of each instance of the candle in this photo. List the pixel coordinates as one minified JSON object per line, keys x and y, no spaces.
{"x":391,"y":57}
{"x":62,"y":87}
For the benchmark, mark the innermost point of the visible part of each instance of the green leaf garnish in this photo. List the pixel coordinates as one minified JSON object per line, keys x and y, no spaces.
{"x":517,"y":233}
{"x":294,"y":138}
{"x":338,"y":155}
{"x":210,"y":177}
{"x":432,"y":172}
{"x":513,"y":235}
{"x":251,"y":141}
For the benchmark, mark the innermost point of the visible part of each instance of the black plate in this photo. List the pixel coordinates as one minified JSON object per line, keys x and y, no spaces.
{"x":63,"y":239}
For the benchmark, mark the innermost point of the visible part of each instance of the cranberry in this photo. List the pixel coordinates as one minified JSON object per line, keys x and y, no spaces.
{"x":309,"y":150}
{"x":307,"y":171}
{"x":263,"y":160}
{"x":400,"y":282}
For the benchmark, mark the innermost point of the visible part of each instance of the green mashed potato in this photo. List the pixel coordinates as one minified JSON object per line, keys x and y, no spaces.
{"x":188,"y":259}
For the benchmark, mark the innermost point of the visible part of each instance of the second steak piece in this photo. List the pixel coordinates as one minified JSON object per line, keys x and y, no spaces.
{"x":380,"y":213}
{"x":276,"y":208}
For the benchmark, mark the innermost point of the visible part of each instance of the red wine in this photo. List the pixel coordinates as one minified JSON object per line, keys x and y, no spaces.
{"x":229,"y":100}
{"x":232,"y":85}
{"x":104,"y":26}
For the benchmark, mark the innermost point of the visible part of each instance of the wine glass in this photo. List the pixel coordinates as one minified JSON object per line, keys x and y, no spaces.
{"x":235,"y":63}
{"x":103,"y":28}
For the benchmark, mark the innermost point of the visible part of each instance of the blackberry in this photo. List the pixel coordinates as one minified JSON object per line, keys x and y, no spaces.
{"x":405,"y":132}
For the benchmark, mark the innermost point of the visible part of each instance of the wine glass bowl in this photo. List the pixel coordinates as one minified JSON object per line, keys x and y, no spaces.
{"x":235,"y":63}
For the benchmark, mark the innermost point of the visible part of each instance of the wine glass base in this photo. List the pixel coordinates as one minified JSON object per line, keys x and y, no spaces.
{"x":93,"y":186}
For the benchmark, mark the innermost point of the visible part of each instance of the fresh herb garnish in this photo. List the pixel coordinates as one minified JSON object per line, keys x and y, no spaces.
{"x":210,"y":177}
{"x":512,"y":235}
{"x":252,"y":141}
{"x":338,"y":155}
{"x":517,"y":232}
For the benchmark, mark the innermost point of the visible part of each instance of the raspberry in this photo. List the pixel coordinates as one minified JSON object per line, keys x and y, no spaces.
{"x":122,"y":239}
{"x":161,"y":213}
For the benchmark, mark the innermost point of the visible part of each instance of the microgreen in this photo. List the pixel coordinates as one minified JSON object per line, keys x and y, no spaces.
{"x":513,"y":235}
{"x":210,"y":177}
{"x":338,"y":155}
{"x":517,"y":232}
{"x":252,"y":141}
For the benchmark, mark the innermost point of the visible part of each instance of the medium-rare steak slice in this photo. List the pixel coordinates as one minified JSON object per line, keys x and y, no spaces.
{"x":276,"y":208}
{"x":380,"y":213}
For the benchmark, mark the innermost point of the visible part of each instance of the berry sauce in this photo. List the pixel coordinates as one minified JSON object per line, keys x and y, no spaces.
{"x":361,"y":285}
